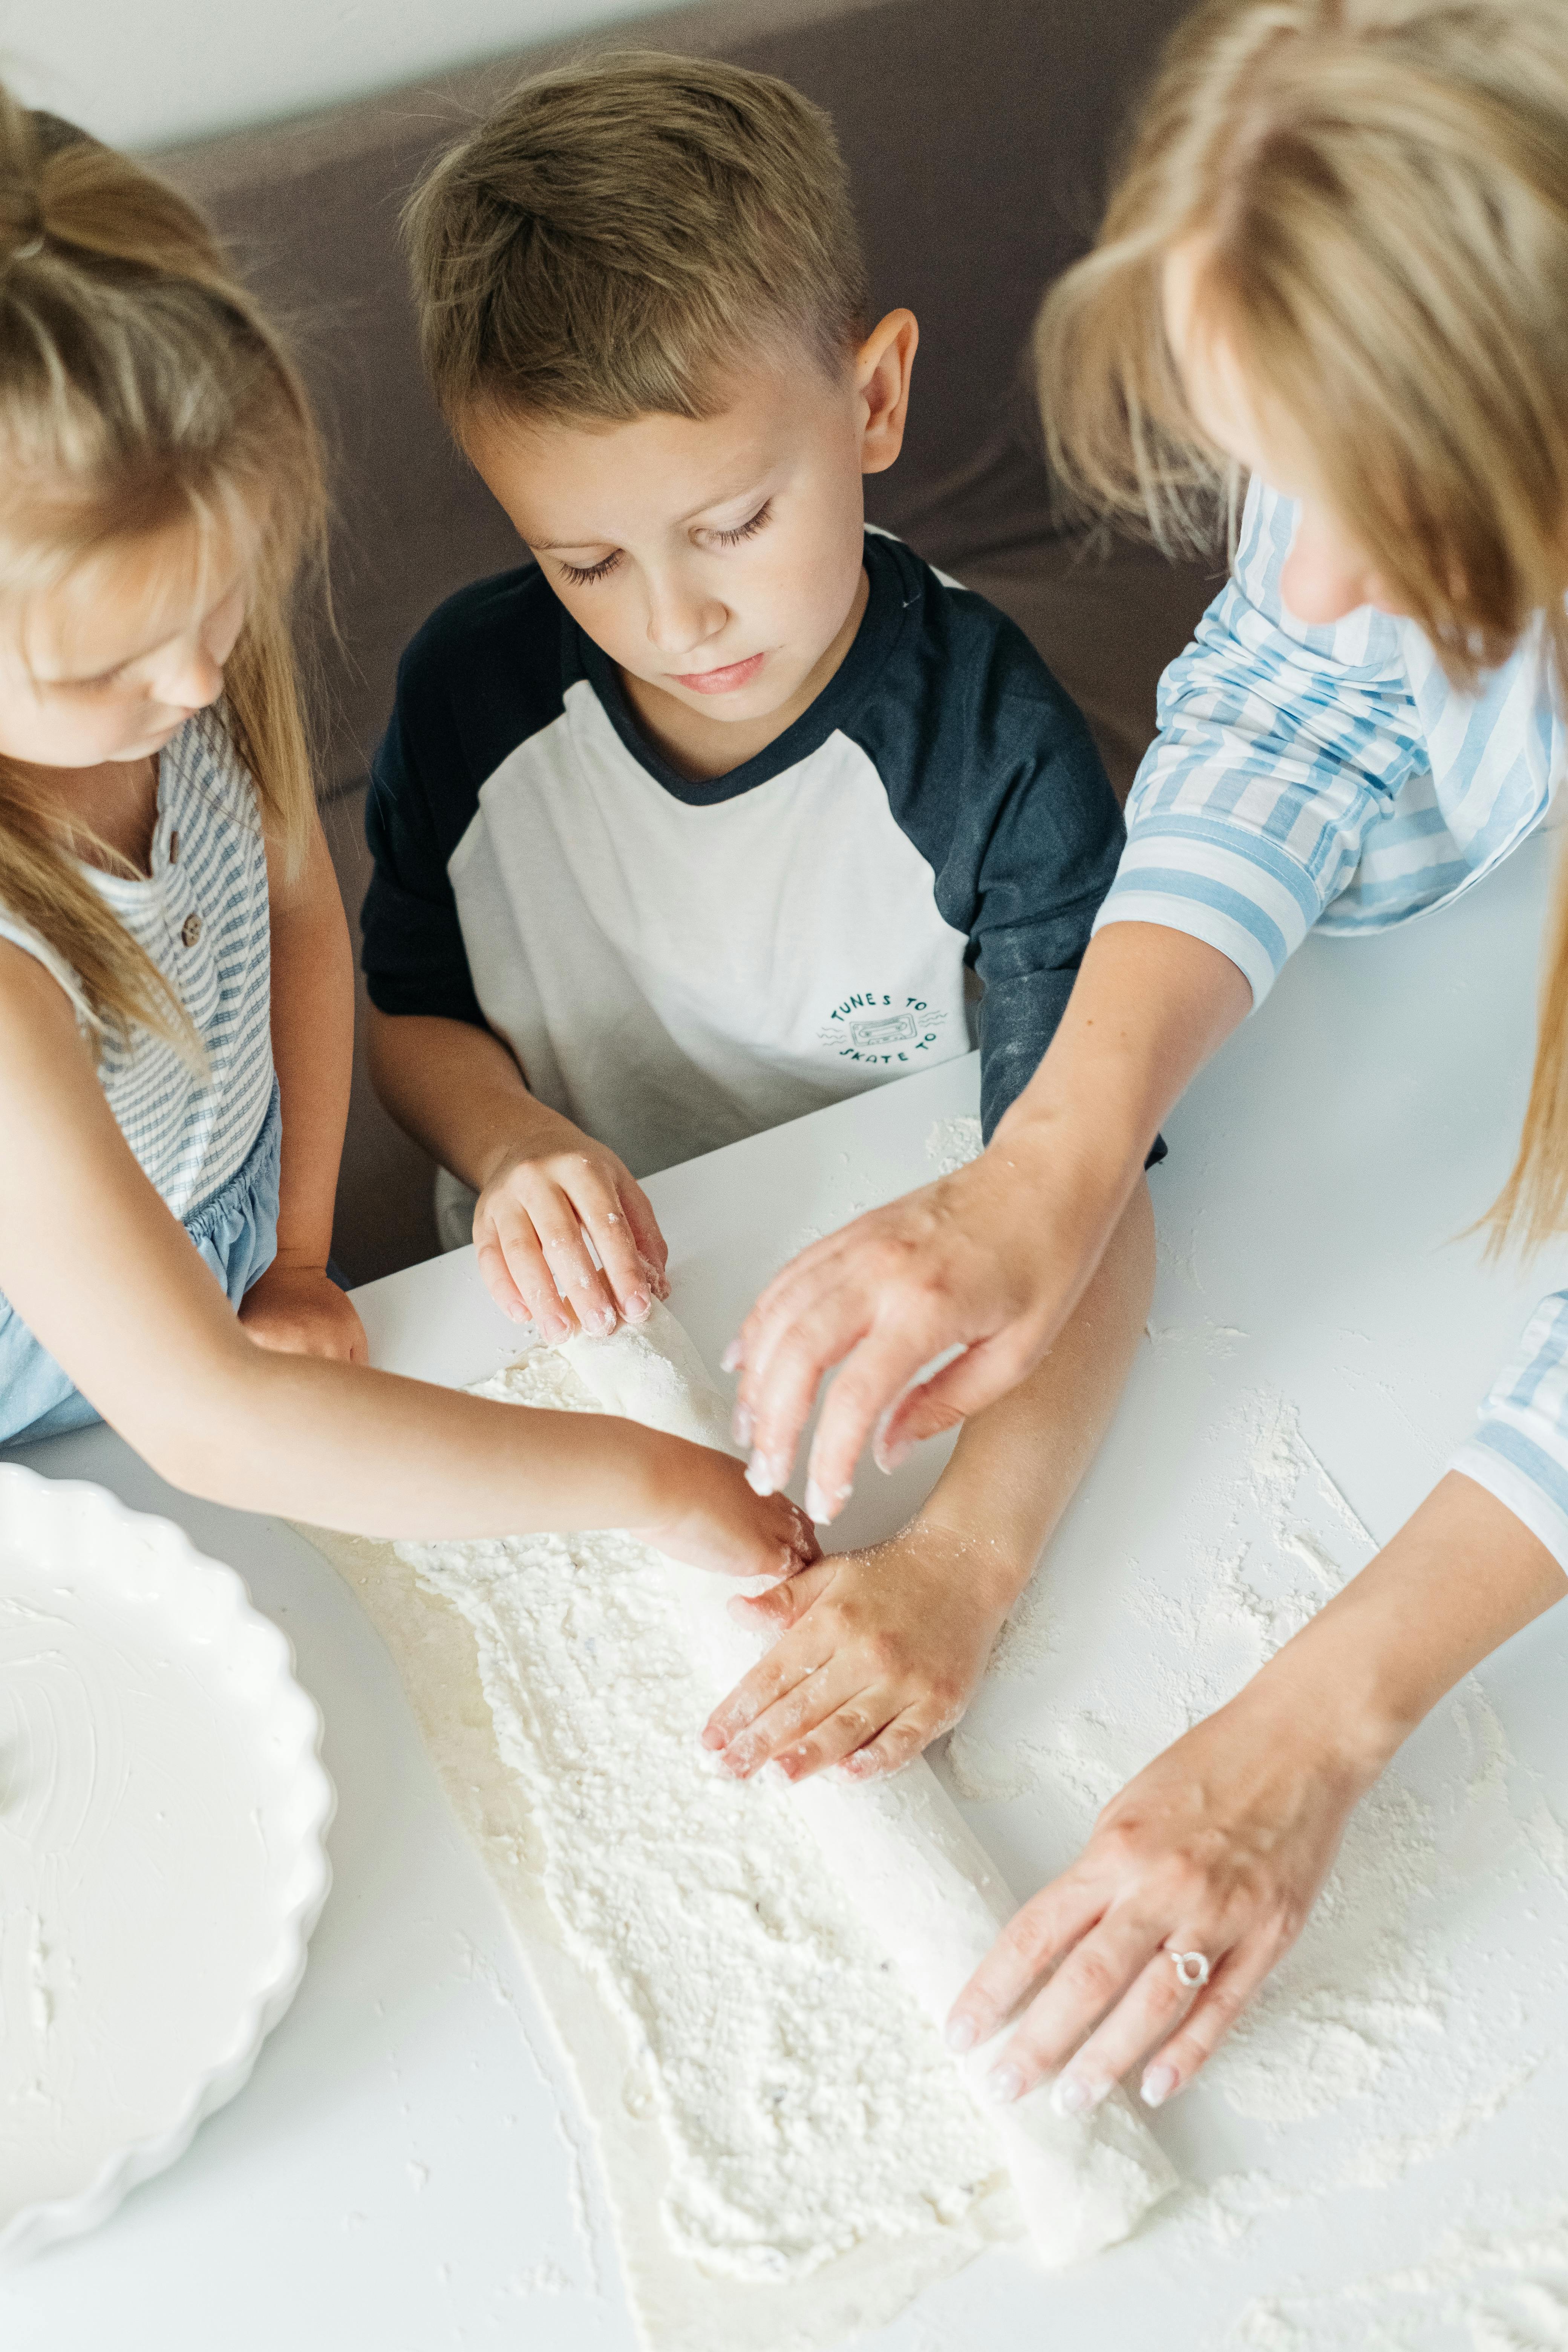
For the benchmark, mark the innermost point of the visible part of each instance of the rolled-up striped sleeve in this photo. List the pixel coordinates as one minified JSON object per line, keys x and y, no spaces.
{"x":1520,"y":1450}
{"x":1280,"y":746}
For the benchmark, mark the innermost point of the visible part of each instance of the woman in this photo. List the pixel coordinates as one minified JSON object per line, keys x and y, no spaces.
{"x":1337,"y":263}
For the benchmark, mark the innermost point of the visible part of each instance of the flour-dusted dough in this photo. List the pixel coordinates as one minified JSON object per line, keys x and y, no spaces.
{"x":473,"y":1648}
{"x":902,"y":1851}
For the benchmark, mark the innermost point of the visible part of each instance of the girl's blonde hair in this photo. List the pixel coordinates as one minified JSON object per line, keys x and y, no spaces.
{"x":1378,"y":194}
{"x":141,"y":387}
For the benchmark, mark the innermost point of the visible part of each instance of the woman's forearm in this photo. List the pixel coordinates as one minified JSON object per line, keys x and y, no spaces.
{"x":1459,"y":1578}
{"x":1149,"y":1007}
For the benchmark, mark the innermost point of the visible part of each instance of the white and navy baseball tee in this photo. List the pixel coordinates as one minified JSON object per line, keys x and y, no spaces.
{"x":676,"y":965}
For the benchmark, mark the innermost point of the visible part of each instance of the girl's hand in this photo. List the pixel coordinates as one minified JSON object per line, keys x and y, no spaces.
{"x":300,"y":1311}
{"x":1218,"y":1847}
{"x":715,"y":1521}
{"x":552,"y":1195}
{"x":879,"y":1650}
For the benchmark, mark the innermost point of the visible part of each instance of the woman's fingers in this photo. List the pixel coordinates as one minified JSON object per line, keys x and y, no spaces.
{"x":1033,"y":1938}
{"x":1142,"y":2019}
{"x":986,"y":1370}
{"x":1230,"y":1987}
{"x":878,"y":1368}
{"x":1085,"y":1986}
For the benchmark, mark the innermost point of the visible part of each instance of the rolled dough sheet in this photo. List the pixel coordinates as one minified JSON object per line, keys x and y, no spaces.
{"x":902,"y":1852}
{"x":677,"y":2307}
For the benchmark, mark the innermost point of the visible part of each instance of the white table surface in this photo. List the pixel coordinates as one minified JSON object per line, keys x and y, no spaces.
{"x":399,"y":2173}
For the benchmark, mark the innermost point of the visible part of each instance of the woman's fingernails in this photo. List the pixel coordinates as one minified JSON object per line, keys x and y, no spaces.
{"x":742,"y":1426}
{"x":1004,"y":2084}
{"x":817,"y":1506}
{"x":759,"y":1475}
{"x":892,"y":1457}
{"x":557,"y":1329}
{"x":1072,"y":2096}
{"x":740,"y":1608}
{"x":962,"y":2033}
{"x":1157,"y":2086}
{"x":638,"y":1307}
{"x":712,"y":1737}
{"x":730,"y":1361}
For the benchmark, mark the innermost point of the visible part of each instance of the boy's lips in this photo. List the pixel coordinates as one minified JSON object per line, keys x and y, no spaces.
{"x":725,"y":680}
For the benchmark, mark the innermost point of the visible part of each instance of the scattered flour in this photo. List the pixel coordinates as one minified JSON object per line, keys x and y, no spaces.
{"x":808,"y":2105}
{"x":1400,"y":2025}
{"x":953,"y":1143}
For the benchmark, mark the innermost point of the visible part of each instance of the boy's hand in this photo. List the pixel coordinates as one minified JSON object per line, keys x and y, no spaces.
{"x":879,"y":1652}
{"x":715,"y":1521}
{"x":554,"y":1191}
{"x":299,"y":1310}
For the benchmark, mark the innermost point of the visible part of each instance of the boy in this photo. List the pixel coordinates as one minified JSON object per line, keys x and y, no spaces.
{"x":698,"y":821}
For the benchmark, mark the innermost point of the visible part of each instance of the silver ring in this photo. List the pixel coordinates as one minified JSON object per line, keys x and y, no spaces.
{"x":1191,"y":1967}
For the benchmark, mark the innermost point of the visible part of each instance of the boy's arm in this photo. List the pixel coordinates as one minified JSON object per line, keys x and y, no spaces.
{"x":295,"y":1305}
{"x":880,"y":1650}
{"x":545,"y":1188}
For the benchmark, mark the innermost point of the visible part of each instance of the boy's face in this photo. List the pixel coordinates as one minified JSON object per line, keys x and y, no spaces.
{"x":717,"y":561}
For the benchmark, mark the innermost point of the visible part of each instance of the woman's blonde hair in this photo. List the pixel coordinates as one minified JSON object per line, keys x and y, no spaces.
{"x":1377,"y":192}
{"x":140,"y":388}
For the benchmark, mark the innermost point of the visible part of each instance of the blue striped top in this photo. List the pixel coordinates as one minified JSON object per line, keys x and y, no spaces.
{"x":1334,"y":777}
{"x":202,"y":916}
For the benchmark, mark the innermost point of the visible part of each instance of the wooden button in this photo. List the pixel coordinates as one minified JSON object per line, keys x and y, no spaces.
{"x":191,"y":929}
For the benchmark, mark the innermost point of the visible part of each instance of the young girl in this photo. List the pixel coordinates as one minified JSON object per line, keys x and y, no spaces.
{"x":1337,"y":263}
{"x":176,"y":1004}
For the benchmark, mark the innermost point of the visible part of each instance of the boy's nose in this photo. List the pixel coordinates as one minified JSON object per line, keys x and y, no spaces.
{"x":679,"y":620}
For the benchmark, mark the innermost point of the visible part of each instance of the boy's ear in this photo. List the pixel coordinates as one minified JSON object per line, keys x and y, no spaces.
{"x":883,"y":365}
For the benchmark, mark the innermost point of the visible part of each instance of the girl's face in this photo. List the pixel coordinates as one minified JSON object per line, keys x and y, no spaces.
{"x":1326,"y":573}
{"x":110,"y":664}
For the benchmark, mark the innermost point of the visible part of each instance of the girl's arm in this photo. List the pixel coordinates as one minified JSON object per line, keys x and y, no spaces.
{"x":879,"y":1650}
{"x":1221,"y":1845}
{"x":108,"y":1281}
{"x":295,"y":1305}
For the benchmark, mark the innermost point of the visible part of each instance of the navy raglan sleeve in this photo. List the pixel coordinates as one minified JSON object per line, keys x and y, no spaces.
{"x":992,"y":772}
{"x":413,"y":951}
{"x":1044,"y":856}
{"x":482,"y":674}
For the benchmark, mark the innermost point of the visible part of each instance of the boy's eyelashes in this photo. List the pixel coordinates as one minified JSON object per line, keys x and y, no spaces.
{"x":583,"y":575}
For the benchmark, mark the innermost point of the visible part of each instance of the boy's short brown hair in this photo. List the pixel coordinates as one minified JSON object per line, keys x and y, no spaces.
{"x":604,"y":246}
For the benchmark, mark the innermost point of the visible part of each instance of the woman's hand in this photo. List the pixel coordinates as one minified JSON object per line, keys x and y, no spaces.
{"x":299,"y":1310}
{"x":877,"y":1655}
{"x":552,"y":1192}
{"x":711,"y":1519}
{"x":1221,"y":1845}
{"x":1218,"y":1847}
{"x":993,"y":1258}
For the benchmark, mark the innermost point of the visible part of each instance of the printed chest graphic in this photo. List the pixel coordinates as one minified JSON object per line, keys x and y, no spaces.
{"x":881,"y":1028}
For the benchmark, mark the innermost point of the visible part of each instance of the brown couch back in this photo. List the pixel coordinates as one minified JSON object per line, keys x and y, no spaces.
{"x":978,"y":139}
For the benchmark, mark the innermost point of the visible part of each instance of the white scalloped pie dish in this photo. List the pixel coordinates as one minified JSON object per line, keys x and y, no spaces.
{"x":162,"y":1813}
